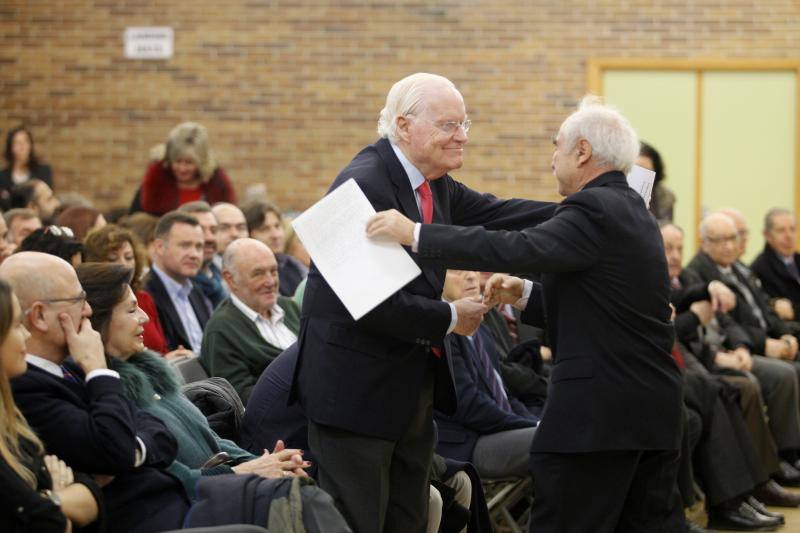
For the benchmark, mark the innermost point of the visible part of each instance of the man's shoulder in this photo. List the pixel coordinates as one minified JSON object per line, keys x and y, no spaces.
{"x":36,"y":380}
{"x":225,"y":313}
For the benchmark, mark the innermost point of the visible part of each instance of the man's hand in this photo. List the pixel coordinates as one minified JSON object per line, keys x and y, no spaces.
{"x":392,"y":226}
{"x":791,"y":346}
{"x":502,"y":289}
{"x":470,"y":313}
{"x":727,"y":360}
{"x":179,"y":352}
{"x":282,"y":462}
{"x":85,"y":345}
{"x":703,"y":310}
{"x":745,"y":358}
{"x":776,"y":348}
{"x":783,"y":308}
{"x":722,"y":298}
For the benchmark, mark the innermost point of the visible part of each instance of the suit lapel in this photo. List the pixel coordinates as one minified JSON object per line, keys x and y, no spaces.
{"x":164,"y":305}
{"x":199,"y":306}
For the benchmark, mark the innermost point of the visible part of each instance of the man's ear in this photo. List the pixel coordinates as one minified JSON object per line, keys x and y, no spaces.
{"x":403,"y":124}
{"x":158,"y":246}
{"x":227,"y":275}
{"x":35,"y":320}
{"x":584,"y":151}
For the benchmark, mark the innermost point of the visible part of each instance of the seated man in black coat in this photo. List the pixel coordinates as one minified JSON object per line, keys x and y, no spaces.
{"x":490,"y":428}
{"x":77,"y":406}
{"x":778,"y":265}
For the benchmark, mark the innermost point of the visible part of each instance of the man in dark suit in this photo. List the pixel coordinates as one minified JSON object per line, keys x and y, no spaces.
{"x":183,"y":310}
{"x":368,"y":387}
{"x":491,"y":428}
{"x":78,"y":407}
{"x":604,"y":456}
{"x":778,"y":266}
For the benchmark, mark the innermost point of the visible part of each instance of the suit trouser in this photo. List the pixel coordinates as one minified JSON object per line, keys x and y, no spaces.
{"x":601,"y":492}
{"x":503,"y":454}
{"x":780,"y":391}
{"x":379,"y":485}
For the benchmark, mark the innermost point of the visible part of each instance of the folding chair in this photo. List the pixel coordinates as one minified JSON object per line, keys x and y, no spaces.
{"x":503,"y":497}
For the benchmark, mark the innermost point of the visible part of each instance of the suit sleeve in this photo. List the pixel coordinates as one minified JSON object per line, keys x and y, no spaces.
{"x":100,"y":439}
{"x":570,"y":241}
{"x":409,"y":317}
{"x":162,"y":448}
{"x":470,"y":208}
{"x":24,"y":508}
{"x":476,"y":409}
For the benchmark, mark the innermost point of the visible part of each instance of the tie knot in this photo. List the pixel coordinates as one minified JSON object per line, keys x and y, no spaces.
{"x":425,"y":189}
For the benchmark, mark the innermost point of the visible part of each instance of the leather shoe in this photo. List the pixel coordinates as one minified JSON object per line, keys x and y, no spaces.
{"x":761,"y":508}
{"x":742,"y":518}
{"x":770,"y":493}
{"x":787,"y":475}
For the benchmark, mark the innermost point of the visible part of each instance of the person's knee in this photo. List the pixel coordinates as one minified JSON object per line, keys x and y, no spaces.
{"x":434,"y":510}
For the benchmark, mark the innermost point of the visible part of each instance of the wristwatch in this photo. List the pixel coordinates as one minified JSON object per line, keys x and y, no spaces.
{"x":53,"y":497}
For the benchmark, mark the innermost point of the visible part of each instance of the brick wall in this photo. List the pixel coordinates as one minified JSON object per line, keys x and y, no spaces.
{"x":290,"y":90}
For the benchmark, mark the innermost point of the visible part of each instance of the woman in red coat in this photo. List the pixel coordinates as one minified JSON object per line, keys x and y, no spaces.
{"x":184,"y":170}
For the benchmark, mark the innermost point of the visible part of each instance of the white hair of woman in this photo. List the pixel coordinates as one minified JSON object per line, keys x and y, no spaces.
{"x":613,"y":139}
{"x":407,"y":97}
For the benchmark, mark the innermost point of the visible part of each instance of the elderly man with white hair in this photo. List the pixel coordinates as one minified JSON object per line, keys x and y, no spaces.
{"x":604,"y":457}
{"x":369,"y":386}
{"x":248,"y":330}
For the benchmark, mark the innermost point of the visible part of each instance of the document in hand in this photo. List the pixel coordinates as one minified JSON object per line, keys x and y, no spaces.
{"x":362,"y":272}
{"x":641,"y":180}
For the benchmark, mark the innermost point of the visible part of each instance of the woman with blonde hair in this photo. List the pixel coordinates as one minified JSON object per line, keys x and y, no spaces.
{"x":39,"y":493}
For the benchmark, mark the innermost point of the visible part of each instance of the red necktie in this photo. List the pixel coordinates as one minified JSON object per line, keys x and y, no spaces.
{"x":678,"y":356}
{"x":426,"y":201}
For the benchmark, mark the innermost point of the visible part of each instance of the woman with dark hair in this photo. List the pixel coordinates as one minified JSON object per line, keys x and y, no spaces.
{"x":184,"y":171}
{"x":54,"y":240}
{"x":22,"y":163}
{"x":265,"y":223}
{"x":662,"y":202}
{"x":39,"y":493}
{"x":81,"y":220}
{"x":153,"y":386}
{"x":113,"y":244}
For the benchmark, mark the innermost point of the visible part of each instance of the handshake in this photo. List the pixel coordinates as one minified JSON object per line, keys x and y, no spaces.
{"x":499,"y":289}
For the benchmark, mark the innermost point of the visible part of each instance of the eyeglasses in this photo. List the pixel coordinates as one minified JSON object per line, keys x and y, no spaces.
{"x":451,"y":126}
{"x":722,"y":240}
{"x":59,"y":231}
{"x":80,"y":298}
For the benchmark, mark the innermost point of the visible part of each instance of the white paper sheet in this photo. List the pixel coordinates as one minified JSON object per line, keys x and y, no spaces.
{"x":641,"y":180}
{"x":361,"y":271}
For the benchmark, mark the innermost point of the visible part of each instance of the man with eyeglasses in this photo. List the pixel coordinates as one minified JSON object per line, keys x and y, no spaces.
{"x":369,"y":386}
{"x":77,"y":405}
{"x":763,"y":332}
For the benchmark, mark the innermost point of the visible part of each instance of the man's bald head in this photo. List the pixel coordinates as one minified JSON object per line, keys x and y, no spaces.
{"x":231,"y":224}
{"x":251,"y":271}
{"x":741,"y":226}
{"x":36,"y":276}
{"x":720,"y":240}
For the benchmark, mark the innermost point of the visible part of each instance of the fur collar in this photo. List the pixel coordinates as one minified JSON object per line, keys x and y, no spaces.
{"x":144,"y":375}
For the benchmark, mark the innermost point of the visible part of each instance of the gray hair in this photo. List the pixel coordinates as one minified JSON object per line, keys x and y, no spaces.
{"x":772,"y":213}
{"x":613,"y":139}
{"x":717,"y":216}
{"x":407,"y":97}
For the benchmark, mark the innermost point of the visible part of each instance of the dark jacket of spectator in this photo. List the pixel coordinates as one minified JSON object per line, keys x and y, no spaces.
{"x":776,"y":279}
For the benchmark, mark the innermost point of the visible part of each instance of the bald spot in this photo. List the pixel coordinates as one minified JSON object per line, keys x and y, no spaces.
{"x":244,"y":252}
{"x":36,"y":276}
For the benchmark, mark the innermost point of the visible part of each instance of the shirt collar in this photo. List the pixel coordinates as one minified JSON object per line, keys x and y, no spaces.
{"x":275,"y":316}
{"x":725,"y":270}
{"x":415,"y":177}
{"x":44,"y":364}
{"x":174,"y":289}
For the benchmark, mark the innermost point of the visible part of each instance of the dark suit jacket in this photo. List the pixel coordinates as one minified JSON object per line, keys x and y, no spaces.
{"x":477,"y":412}
{"x":93,"y":428}
{"x":604,"y":297}
{"x":174,"y":333}
{"x":39,"y":172}
{"x":366,"y":376}
{"x":703,"y":266}
{"x":775,"y":278}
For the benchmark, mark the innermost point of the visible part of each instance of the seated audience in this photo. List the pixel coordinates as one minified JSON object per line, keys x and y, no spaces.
{"x":22,"y":163}
{"x":184,"y":170}
{"x":54,"y":240}
{"x":209,"y":279}
{"x":662,"y":201}
{"x":255,"y":324}
{"x":490,"y":428}
{"x":778,"y":265}
{"x":21,"y":222}
{"x":35,"y":195}
{"x":114,"y":244}
{"x":231,"y":225}
{"x":153,"y":386}
{"x":183,"y":310}
{"x":81,"y":220}
{"x":265,"y":224}
{"x":40,"y":492}
{"x":78,"y":407}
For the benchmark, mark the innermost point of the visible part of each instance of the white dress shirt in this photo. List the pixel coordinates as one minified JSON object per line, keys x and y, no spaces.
{"x":179,"y":294}
{"x":272,"y":329}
